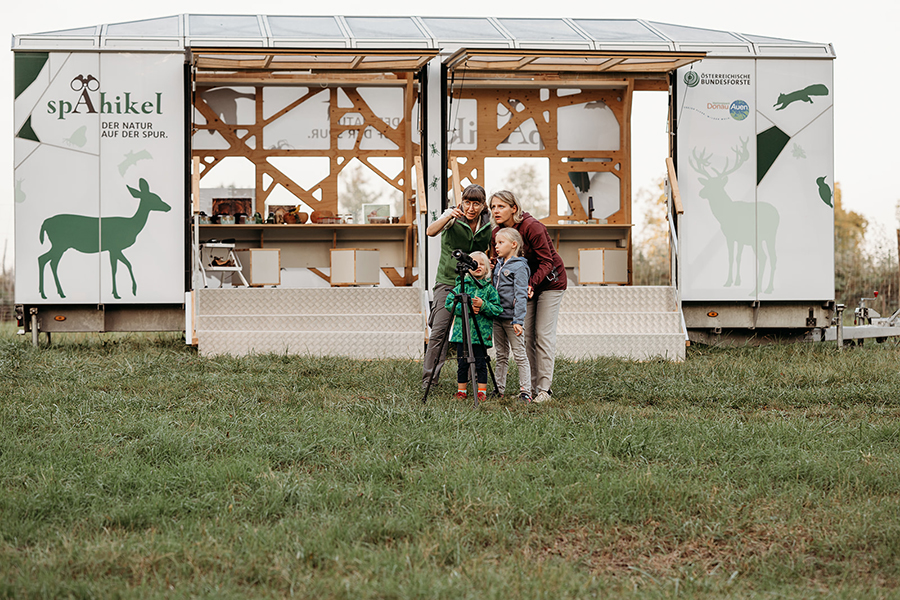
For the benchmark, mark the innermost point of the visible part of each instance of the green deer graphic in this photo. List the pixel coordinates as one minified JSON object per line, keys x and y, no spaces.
{"x":97,"y":234}
{"x":736,"y":218}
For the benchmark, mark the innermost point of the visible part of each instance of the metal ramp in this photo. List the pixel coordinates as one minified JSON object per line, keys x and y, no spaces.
{"x":635,"y":322}
{"x":638,"y":323}
{"x":364,"y":322}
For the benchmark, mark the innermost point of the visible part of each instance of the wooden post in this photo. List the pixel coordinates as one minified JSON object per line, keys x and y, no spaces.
{"x":421,"y":199}
{"x":455,"y":183}
{"x":195,"y":185}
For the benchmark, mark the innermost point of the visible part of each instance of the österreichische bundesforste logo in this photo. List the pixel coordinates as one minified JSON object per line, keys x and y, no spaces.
{"x":739,"y":110}
{"x":691,"y":79}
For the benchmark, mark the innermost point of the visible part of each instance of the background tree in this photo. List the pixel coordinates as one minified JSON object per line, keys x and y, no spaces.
{"x":865,"y":259}
{"x":7,"y":289}
{"x":530,"y":188}
{"x":356,"y":189}
{"x":650,"y":241}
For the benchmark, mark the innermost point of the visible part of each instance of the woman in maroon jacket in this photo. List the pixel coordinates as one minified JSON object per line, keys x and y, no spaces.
{"x":545,"y":288}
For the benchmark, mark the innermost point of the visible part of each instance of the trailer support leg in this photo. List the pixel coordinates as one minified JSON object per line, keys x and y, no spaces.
{"x":839,"y":309}
{"x":35,"y":333}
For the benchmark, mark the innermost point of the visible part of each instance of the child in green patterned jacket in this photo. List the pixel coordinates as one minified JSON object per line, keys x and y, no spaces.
{"x":485,"y":304}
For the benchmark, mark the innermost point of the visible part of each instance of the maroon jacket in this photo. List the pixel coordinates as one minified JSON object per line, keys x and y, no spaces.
{"x":542,"y":257}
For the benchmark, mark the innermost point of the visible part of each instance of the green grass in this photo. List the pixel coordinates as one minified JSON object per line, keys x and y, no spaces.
{"x":130,"y":467}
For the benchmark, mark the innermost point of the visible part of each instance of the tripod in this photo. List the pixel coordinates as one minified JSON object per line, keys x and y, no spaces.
{"x":464,"y":301}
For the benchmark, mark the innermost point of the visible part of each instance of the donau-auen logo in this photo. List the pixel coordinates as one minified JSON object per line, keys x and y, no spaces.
{"x":739,"y":110}
{"x":87,"y":102}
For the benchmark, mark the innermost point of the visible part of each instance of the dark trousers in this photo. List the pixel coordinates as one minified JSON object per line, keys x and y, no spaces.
{"x":462,"y":365}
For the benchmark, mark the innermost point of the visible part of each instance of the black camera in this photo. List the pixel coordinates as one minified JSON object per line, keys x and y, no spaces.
{"x":464,"y":262}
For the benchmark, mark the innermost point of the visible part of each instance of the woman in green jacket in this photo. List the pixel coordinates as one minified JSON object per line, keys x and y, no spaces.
{"x":465,"y":227}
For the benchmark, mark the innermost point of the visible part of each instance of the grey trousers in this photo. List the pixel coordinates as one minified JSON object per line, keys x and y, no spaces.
{"x":505,"y":338}
{"x":540,"y":337}
{"x":439,"y":320}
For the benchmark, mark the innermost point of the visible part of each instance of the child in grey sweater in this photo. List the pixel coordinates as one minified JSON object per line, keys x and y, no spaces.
{"x":511,"y":281}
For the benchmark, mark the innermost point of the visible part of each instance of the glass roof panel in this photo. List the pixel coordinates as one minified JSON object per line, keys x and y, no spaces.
{"x":541,"y":29}
{"x":80,"y":31}
{"x":617,"y":30}
{"x":677,"y":33}
{"x":383,"y":27}
{"x":448,"y":28}
{"x":304,"y":27}
{"x":769,"y":40}
{"x":410,"y":30}
{"x":224,"y":25}
{"x":166,"y":26}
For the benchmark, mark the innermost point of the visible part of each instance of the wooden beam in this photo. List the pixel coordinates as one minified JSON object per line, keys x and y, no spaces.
{"x":673,"y":183}
{"x":651,"y":85}
{"x":396,"y":278}
{"x":215,"y":78}
{"x":195,"y":183}
{"x":409,"y":98}
{"x":320,"y":274}
{"x":421,"y":198}
{"x":456,"y":184}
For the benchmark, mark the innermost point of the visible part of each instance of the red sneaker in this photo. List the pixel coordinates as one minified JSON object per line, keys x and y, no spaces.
{"x":482,"y":396}
{"x":461,"y":396}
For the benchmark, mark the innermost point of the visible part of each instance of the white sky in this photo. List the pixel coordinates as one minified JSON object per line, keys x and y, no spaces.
{"x":866,"y":83}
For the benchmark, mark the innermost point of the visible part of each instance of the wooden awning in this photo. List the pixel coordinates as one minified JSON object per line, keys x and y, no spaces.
{"x":268,"y":65}
{"x":504,"y":63}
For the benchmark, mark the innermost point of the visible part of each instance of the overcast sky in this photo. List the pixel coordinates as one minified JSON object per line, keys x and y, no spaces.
{"x":866,"y":83}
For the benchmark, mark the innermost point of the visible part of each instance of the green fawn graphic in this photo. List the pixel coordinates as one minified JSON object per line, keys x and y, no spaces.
{"x":736,"y":217}
{"x":97,"y":234}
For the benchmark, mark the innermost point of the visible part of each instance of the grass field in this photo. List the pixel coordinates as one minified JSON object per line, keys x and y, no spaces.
{"x":130,"y":467}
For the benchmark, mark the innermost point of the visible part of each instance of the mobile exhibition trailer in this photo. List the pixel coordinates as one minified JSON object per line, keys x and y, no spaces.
{"x":355,"y":132}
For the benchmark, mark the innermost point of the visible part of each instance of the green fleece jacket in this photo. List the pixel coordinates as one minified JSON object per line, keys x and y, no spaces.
{"x":483,"y":321}
{"x":459,"y":236}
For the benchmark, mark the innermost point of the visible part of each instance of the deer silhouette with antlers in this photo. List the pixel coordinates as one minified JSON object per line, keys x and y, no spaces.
{"x":97,"y":234}
{"x":736,"y":217}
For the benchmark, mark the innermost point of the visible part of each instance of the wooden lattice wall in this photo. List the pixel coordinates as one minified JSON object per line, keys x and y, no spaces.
{"x":529,"y":104}
{"x":246,"y":140}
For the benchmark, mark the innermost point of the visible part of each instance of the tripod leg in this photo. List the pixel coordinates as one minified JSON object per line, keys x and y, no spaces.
{"x":444,"y":343}
{"x":467,"y":345}
{"x":487,"y":360}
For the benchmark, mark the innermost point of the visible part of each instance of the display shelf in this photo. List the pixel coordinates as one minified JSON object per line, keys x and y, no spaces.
{"x":309,"y":245}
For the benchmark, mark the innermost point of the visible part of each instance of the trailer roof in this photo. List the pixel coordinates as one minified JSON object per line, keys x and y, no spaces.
{"x":177,"y":32}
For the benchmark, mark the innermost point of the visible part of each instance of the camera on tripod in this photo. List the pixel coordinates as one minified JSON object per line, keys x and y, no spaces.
{"x":464,"y":262}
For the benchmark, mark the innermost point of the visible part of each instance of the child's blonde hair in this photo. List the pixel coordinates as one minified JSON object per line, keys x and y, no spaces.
{"x":485,"y":262}
{"x":512,"y":235}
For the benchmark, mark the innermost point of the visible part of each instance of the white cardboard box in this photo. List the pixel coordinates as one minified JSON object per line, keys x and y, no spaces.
{"x":260,"y":266}
{"x":355,"y":266}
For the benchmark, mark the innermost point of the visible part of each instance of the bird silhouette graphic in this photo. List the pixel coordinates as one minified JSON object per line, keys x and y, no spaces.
{"x":78,"y":137}
{"x":131,"y":158}
{"x":825,"y":191}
